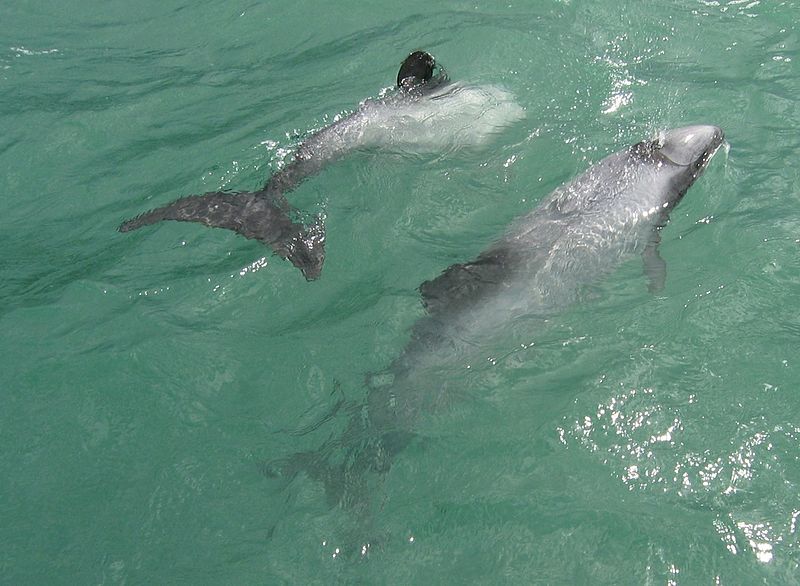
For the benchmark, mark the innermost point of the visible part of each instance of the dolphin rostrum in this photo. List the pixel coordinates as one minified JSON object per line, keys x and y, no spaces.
{"x":575,"y":236}
{"x":423,"y":111}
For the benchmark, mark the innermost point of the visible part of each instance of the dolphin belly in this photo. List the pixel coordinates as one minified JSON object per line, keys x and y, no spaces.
{"x":453,"y":117}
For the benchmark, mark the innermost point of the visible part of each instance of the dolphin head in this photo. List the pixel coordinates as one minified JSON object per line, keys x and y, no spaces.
{"x":677,"y":156}
{"x":690,"y":146}
{"x":416,"y":70}
{"x":680,"y":154}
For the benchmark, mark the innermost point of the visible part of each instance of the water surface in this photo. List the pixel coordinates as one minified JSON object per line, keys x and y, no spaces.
{"x":145,"y":377}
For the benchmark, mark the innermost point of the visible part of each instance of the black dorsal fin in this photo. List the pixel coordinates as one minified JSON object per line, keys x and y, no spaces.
{"x":465,"y":283}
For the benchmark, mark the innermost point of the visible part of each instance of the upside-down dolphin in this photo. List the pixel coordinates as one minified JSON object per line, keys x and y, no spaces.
{"x":574,"y":237}
{"x":425,"y":111}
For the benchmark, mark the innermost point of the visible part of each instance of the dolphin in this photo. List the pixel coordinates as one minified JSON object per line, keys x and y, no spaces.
{"x":425,"y":111}
{"x":577,"y":235}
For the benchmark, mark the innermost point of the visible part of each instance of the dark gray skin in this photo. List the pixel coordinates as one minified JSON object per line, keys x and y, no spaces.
{"x":574,"y":237}
{"x":266,"y":215}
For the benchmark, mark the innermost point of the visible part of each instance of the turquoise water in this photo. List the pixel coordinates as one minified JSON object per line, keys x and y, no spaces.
{"x":146,"y":377}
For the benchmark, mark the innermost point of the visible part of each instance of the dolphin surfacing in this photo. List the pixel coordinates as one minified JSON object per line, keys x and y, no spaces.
{"x":266,"y":215}
{"x":574,"y":237}
{"x":424,"y":111}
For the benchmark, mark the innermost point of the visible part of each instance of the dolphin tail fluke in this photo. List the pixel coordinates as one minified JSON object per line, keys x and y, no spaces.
{"x":343,"y":464}
{"x":344,"y":470}
{"x":261,"y":216}
{"x":319,"y":466}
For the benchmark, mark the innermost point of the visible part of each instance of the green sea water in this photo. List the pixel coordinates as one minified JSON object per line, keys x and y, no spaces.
{"x":146,"y":377}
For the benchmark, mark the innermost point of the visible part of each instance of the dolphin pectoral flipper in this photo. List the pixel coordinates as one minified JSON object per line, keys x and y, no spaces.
{"x":655,"y":268}
{"x":259,"y":216}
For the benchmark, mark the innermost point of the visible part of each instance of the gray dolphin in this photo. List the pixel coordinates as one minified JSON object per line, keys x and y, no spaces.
{"x":424,"y":111}
{"x":575,"y":236}
{"x":266,"y":215}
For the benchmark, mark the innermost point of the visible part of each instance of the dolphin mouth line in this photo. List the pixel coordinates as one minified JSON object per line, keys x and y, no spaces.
{"x":705,"y":159}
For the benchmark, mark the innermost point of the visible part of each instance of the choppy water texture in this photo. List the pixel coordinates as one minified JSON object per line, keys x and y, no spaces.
{"x":146,"y":377}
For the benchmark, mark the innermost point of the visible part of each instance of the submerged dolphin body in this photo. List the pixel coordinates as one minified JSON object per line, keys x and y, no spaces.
{"x":578,"y":234}
{"x":424,"y":112}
